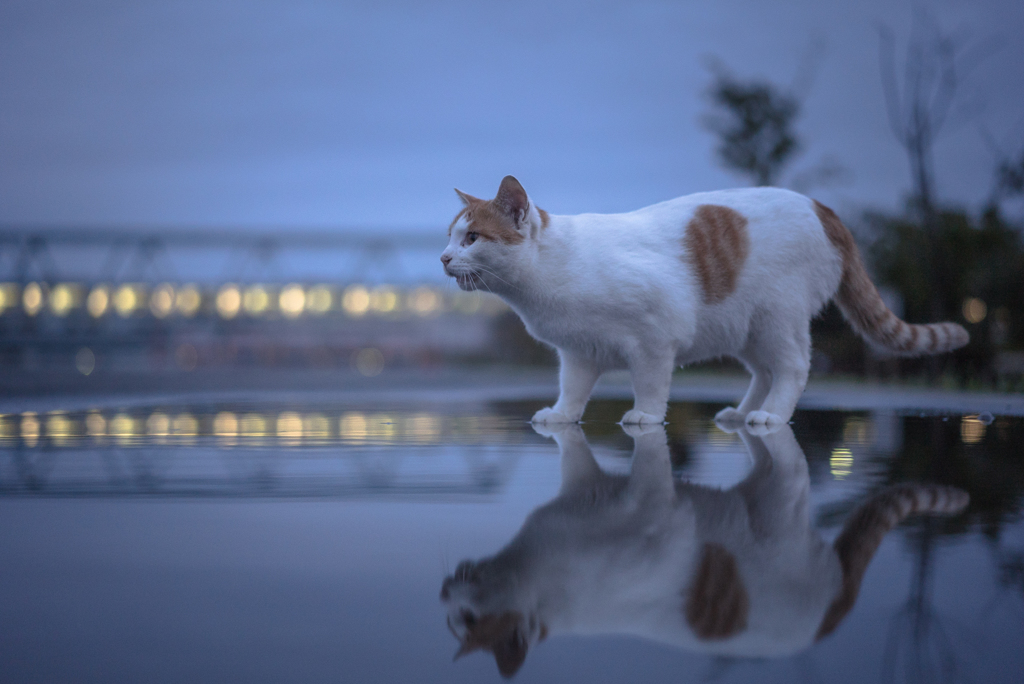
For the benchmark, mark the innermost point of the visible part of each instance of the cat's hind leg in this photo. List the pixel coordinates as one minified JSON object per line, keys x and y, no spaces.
{"x":576,"y":377}
{"x":760,"y":384}
{"x":789,"y":360}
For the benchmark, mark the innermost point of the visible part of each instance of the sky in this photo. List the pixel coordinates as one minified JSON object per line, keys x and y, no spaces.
{"x":367,"y":114}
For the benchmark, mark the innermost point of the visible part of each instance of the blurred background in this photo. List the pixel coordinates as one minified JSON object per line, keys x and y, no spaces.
{"x":192,"y":189}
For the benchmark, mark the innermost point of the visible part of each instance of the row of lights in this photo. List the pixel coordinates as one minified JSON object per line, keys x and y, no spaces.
{"x":288,"y":428}
{"x":232,"y":300}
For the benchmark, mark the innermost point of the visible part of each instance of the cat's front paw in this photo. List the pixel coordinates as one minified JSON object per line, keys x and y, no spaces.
{"x":636,"y":417}
{"x":549,"y":416}
{"x":763,"y":423}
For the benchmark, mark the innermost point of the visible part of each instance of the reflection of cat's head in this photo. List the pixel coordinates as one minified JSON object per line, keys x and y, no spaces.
{"x":483,"y":615}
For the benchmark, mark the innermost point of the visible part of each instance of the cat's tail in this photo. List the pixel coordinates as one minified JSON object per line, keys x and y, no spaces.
{"x":865,"y":529}
{"x":863,"y":307}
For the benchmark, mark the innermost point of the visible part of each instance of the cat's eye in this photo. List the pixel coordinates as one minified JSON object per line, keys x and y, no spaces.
{"x":471,"y":237}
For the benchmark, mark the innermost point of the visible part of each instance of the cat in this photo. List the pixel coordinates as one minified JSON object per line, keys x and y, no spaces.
{"x":738,"y":573}
{"x":729,"y":273}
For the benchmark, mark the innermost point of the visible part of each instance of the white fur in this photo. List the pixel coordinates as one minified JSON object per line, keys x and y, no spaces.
{"x":617,"y":291}
{"x":616,"y":555}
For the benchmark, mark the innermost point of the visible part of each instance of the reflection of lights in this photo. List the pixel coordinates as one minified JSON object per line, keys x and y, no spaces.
{"x":255,"y":300}
{"x":253,"y":425}
{"x":126,"y":300}
{"x":355,"y":300}
{"x":384,"y":299}
{"x":187,"y":300}
{"x":63,"y":298}
{"x":95,"y":425}
{"x":292,"y":300}
{"x":158,"y":425}
{"x":32,"y":298}
{"x":225,"y":426}
{"x":229,"y":300}
{"x":161,"y":302}
{"x":974,"y":310}
{"x":855,"y":430}
{"x":85,"y":361}
{"x":352,"y":426}
{"x":841,"y":462}
{"x":424,"y":301}
{"x":60,"y":428}
{"x":316,"y":426}
{"x":368,"y":362}
{"x":122,"y":427}
{"x":381,"y":427}
{"x":422,"y":427}
{"x":185,"y":426}
{"x":289,"y":428}
{"x":8,"y":296}
{"x":319,"y":299}
{"x":98,"y":301}
{"x":7,"y":431}
{"x":972,"y":430}
{"x":29,"y":428}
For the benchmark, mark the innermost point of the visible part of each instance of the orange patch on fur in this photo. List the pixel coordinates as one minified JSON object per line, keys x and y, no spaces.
{"x":717,"y":245}
{"x":485,"y":218}
{"x":544,"y":218}
{"x":717,"y":604}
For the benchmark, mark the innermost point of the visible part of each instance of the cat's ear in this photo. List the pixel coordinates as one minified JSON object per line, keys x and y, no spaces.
{"x":512,"y":199}
{"x":466,"y":198}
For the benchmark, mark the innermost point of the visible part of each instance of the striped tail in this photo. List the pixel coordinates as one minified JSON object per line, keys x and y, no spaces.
{"x":864,"y":531}
{"x":867,"y":313}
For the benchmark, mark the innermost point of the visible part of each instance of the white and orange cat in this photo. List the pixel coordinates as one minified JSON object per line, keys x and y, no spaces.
{"x":737,"y":573}
{"x":730,"y":273}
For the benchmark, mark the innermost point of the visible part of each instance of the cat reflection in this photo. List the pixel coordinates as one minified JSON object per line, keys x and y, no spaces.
{"x":740,"y":572}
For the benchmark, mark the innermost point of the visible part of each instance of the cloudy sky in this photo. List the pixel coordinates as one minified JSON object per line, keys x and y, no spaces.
{"x":217,"y":112}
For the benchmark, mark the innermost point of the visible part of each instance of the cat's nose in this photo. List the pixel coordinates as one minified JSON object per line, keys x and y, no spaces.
{"x":446,"y":259}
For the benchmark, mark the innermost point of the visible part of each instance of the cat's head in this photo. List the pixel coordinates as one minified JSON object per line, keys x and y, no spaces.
{"x":484,"y":614}
{"x":488,"y":241}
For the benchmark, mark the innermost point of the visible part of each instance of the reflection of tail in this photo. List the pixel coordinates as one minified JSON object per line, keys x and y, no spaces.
{"x":863,"y":532}
{"x":867,"y":313}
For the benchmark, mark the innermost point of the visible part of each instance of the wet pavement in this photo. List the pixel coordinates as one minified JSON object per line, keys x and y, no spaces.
{"x":280,"y":538}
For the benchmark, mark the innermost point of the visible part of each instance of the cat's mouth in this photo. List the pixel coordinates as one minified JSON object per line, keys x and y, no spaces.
{"x":468,"y":281}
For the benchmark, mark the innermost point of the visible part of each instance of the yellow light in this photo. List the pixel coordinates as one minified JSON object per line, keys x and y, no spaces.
{"x":8,"y":296}
{"x":29,"y":428}
{"x":85,"y":361}
{"x":369,"y":362}
{"x":95,"y":425}
{"x":126,"y":300}
{"x":63,"y":298}
{"x":355,"y":300}
{"x":225,"y":426}
{"x":974,"y":310}
{"x":158,"y":425}
{"x":98,"y":301}
{"x":253,"y":426}
{"x":972,"y":430}
{"x":422,"y":427}
{"x":841,"y":462}
{"x":292,"y":300}
{"x":289,"y":428}
{"x":424,"y":301}
{"x":855,"y":430}
{"x":316,"y":427}
{"x":229,"y":300}
{"x":384,"y":299}
{"x":161,"y":302}
{"x":32,"y":298}
{"x":60,"y":428}
{"x":123,"y":428}
{"x":187,"y":300}
{"x":185,"y":427}
{"x":319,"y":299}
{"x":352,"y":426}
{"x":7,"y":431}
{"x":255,"y":300}
{"x":381,"y":427}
